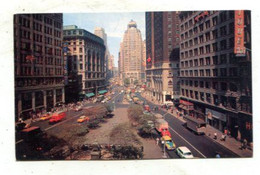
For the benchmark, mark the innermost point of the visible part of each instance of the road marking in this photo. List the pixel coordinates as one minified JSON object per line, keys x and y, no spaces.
{"x":188,"y":142}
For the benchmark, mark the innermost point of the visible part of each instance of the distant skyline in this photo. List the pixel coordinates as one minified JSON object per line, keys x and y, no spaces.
{"x":115,"y":24}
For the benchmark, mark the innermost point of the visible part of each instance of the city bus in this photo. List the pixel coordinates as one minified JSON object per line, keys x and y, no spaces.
{"x":196,"y":125}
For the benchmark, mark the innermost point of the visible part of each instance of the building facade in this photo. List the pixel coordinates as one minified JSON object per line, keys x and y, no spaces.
{"x":39,"y":63}
{"x":131,"y":53}
{"x":86,"y":57}
{"x":215,"y":80}
{"x":100,"y":32}
{"x":162,"y":55}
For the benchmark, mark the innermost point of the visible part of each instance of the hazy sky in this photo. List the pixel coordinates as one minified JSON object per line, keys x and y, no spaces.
{"x":114,"y":24}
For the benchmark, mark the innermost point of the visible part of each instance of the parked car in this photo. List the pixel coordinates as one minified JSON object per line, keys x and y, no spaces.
{"x":82,"y":119}
{"x":184,"y":152}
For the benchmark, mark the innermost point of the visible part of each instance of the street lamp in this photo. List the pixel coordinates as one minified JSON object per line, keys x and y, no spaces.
{"x":164,"y":152}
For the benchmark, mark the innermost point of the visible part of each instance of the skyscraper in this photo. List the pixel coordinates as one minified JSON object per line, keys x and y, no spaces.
{"x":215,"y":70}
{"x":162,"y":53}
{"x":131,"y":53}
{"x":99,"y":31}
{"x":39,"y":68}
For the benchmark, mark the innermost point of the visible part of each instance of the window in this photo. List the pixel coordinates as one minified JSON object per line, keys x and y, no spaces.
{"x":223,"y":100}
{"x":196,"y":73}
{"x":201,"y":61}
{"x":207,"y":24}
{"x":202,"y":73}
{"x":208,"y":97}
{"x":223,"y":44}
{"x":223,"y":59}
{"x":191,"y":63}
{"x":201,"y":38}
{"x":201,"y":50}
{"x":207,"y":36}
{"x":196,"y":84}
{"x":202,"y":96}
{"x":215,"y":60}
{"x":215,"y":34}
{"x":215,"y":21}
{"x":223,"y":86}
{"x":195,"y":30}
{"x":207,"y":84}
{"x":196,"y":95}
{"x":195,"y":41}
{"x":207,"y":60}
{"x":223,"y":31}
{"x":201,"y":27}
{"x":223,"y":72}
{"x":231,"y":43}
{"x":215,"y":72}
{"x":196,"y":62}
{"x":195,"y":52}
{"x":207,"y":48}
{"x":208,"y":72}
{"x":231,"y":28}
{"x":223,"y":16}
{"x":215,"y":85}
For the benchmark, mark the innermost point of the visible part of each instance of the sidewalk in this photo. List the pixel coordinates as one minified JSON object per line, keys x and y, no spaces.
{"x":230,"y":143}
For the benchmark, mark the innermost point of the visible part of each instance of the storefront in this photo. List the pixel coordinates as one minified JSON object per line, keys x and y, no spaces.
{"x":216,"y":119}
{"x":186,"y":107}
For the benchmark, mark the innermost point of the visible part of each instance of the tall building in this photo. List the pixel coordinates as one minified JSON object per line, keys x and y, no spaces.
{"x":38,"y":62}
{"x":162,"y":53}
{"x":215,"y":60}
{"x":99,"y":31}
{"x":131,"y":52}
{"x":86,"y":58}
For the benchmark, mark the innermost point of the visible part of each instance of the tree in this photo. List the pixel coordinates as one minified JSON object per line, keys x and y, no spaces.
{"x":127,"y":81}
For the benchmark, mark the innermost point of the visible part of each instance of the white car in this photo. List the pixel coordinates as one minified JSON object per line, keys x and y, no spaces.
{"x":104,"y":101}
{"x":184,"y":152}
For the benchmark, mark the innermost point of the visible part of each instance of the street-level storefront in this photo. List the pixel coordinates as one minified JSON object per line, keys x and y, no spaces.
{"x":216,"y":119}
{"x":186,"y":107}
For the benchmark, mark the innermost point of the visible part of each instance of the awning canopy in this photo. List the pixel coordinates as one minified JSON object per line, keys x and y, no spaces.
{"x":102,"y":91}
{"x":90,"y":94}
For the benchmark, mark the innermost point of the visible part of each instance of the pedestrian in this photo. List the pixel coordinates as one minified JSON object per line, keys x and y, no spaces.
{"x":157,"y":141}
{"x":215,"y":136}
{"x":223,"y":137}
{"x":244,"y":144}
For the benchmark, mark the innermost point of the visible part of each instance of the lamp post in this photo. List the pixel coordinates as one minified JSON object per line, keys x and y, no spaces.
{"x":164,"y":152}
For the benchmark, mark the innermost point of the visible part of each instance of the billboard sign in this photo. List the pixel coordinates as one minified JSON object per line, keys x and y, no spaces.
{"x":239,"y":48}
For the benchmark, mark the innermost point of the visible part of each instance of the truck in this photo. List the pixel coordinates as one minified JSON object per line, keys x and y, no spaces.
{"x":32,"y":133}
{"x":135,"y":99}
{"x":161,"y":125}
{"x":147,"y":108}
{"x":57,"y":116}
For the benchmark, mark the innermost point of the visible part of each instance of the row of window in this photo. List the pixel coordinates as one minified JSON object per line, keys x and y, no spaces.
{"x":211,"y":35}
{"x":214,"y":60}
{"x":223,"y":86}
{"x":38,"y":81}
{"x":222,"y":17}
{"x":209,"y":48}
{"x":222,"y":72}
{"x":229,"y":102}
{"x":28,"y":71}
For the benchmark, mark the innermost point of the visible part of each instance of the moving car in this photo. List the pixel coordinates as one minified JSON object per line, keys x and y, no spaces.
{"x":169,"y":144}
{"x":184,"y":152}
{"x":58,"y":116}
{"x":82,"y":119}
{"x":46,"y":116}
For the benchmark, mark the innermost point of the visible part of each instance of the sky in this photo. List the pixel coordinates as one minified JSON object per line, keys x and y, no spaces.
{"x":115,"y":24}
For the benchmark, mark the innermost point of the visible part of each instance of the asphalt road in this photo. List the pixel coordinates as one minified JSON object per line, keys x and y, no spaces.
{"x":200,"y":146}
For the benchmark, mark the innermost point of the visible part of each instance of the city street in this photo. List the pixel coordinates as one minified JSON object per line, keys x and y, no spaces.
{"x":200,"y":146}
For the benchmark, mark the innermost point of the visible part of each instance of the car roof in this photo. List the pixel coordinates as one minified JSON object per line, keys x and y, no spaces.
{"x":184,"y":149}
{"x":167,"y":137}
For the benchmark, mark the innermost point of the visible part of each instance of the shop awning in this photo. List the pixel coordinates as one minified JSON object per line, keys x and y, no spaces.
{"x":90,"y":94}
{"x":102,"y":91}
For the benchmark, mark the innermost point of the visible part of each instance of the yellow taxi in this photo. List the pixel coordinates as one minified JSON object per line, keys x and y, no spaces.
{"x":82,"y":118}
{"x":169,"y":144}
{"x":46,"y":116}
